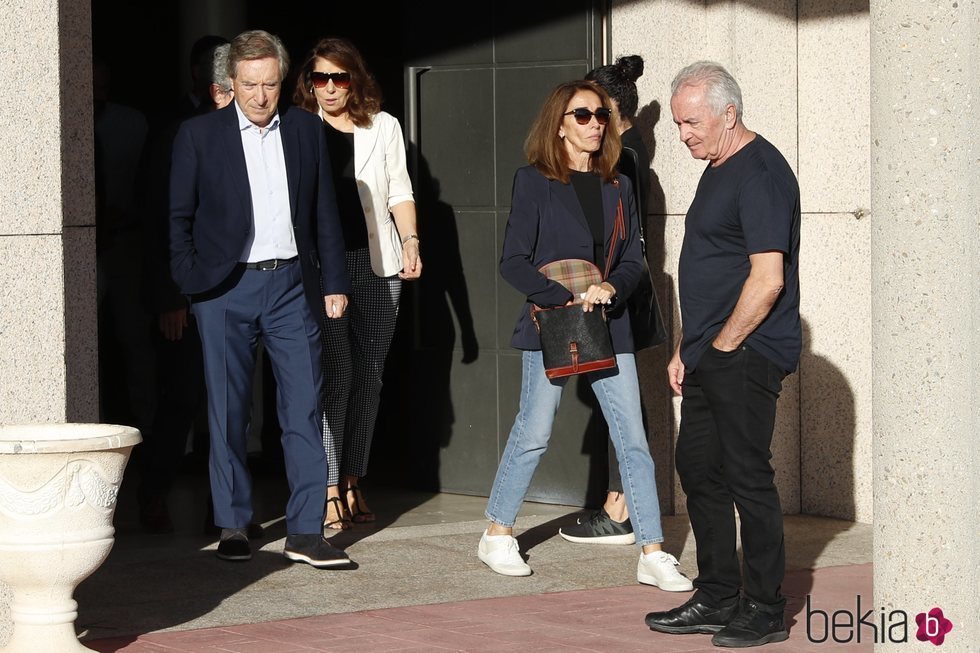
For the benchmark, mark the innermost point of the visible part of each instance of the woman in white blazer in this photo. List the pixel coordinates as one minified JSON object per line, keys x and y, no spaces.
{"x":377,"y":208}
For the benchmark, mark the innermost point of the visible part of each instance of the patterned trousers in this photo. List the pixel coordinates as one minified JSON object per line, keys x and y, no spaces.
{"x":354,"y":350}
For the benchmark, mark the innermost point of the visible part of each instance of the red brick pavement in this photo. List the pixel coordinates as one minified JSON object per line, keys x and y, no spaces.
{"x":600,"y":620}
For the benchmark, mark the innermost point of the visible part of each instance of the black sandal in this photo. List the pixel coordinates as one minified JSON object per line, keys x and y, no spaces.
{"x":342,"y":523}
{"x":359,"y":516}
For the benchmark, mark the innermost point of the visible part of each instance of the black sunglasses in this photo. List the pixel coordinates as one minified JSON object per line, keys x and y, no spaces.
{"x":583,"y":116}
{"x":340,"y":80}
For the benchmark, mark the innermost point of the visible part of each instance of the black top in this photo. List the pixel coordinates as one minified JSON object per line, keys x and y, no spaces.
{"x":748,"y":205}
{"x":340,"y":145}
{"x":637,"y":168}
{"x":588,"y":189}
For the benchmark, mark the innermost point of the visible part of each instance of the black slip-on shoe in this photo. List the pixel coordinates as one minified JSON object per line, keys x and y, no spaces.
{"x":235,"y":549}
{"x":692,"y":617}
{"x":313,"y":549}
{"x":754,"y":625}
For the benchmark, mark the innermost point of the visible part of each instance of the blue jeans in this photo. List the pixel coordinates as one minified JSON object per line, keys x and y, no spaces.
{"x":618,"y":392}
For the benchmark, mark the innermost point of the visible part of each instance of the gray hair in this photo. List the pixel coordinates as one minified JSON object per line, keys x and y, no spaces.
{"x":257,"y":44}
{"x":720,"y":87}
{"x":219,"y":67}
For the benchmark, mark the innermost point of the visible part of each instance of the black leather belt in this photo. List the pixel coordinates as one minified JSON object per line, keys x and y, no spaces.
{"x":271,"y":264}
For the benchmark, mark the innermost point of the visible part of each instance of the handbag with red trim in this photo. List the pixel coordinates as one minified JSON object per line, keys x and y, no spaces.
{"x":574,"y":341}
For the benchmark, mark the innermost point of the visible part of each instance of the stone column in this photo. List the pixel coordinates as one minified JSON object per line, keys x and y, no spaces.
{"x":926,"y":354}
{"x":48,"y":350}
{"x":48,"y":332}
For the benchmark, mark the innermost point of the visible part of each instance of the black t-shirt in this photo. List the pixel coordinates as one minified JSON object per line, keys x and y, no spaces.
{"x":340,"y":146}
{"x":747,"y":205}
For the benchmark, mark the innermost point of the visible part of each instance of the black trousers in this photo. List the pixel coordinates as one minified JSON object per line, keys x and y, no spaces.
{"x":727,"y":416}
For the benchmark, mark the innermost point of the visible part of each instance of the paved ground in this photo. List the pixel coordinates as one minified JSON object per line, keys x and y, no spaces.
{"x":609,"y":619}
{"x":418,"y":585}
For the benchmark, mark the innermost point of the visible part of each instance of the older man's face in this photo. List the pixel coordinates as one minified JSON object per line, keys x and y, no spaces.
{"x":256,"y":87}
{"x":701,"y":128}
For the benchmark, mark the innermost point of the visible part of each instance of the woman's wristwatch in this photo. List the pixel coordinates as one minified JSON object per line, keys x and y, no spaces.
{"x":408,"y":238}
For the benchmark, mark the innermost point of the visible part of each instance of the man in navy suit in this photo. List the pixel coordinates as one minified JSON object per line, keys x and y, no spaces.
{"x":256,"y":244}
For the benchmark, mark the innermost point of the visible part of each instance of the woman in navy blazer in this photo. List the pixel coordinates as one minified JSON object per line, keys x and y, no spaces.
{"x":377,"y":208}
{"x":564,"y":206}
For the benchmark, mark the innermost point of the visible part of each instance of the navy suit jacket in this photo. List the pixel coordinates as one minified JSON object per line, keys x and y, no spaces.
{"x":547,"y":224}
{"x":211,"y":204}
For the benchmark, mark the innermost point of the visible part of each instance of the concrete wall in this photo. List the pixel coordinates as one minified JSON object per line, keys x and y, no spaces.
{"x":48,"y":351}
{"x":803,"y":69}
{"x":48,"y":354}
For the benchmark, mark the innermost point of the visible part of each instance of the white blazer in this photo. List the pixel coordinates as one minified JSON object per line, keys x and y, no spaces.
{"x":381,"y":172}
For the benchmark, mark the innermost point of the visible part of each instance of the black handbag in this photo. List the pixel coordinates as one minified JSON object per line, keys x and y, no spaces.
{"x":646,"y":320}
{"x":574,"y":341}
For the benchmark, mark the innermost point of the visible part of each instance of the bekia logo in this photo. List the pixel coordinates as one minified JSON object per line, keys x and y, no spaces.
{"x":933,"y":626}
{"x":878,"y":626}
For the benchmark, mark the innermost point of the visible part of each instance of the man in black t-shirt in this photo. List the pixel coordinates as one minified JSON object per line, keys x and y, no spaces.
{"x":740,"y":309}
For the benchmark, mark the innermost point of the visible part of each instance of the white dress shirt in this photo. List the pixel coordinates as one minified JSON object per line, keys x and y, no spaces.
{"x":271,"y":235}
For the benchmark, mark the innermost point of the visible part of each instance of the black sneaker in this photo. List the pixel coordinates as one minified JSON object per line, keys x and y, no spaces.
{"x":599,"y":528}
{"x":693,"y":617}
{"x":234,"y":546}
{"x":752,"y":626}
{"x":313,"y":549}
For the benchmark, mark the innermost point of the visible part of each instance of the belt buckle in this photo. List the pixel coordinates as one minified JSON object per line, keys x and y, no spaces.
{"x":273,"y":267}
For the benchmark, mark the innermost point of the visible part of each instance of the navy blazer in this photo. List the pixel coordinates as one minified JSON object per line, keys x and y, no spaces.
{"x":547,"y":224}
{"x":211,"y":203}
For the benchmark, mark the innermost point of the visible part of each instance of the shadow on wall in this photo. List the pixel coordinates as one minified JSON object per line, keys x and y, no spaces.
{"x":827,"y":436}
{"x":417,"y":415}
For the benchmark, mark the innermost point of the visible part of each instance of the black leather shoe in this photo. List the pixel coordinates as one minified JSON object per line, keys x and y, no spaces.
{"x":752,"y":626}
{"x":692,"y":617}
{"x":314,"y":549}
{"x":235,"y":549}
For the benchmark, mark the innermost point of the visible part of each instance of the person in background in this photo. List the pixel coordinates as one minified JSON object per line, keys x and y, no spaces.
{"x":610,"y":524}
{"x":739,"y":290}
{"x":565,"y":204}
{"x":377,"y":209}
{"x":220,"y":89}
{"x":180,"y":367}
{"x":126,"y":359}
{"x":256,"y":242}
{"x":198,"y":99}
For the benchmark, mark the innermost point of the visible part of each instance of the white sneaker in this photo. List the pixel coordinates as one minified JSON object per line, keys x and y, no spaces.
{"x":659,"y":569}
{"x":501,"y":553}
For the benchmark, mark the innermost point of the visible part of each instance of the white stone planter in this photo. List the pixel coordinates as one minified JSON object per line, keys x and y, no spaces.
{"x":58,"y":488}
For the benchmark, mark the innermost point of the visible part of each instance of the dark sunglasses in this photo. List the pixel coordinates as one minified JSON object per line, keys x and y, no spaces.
{"x":583,"y":116}
{"x":340,"y":80}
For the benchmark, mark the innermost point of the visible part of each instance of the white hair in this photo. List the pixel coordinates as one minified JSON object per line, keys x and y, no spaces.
{"x":219,"y":67}
{"x":720,"y":87}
